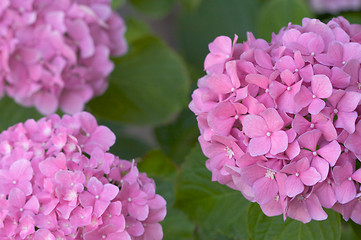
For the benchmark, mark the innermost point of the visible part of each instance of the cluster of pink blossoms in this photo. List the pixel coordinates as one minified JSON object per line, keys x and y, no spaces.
{"x":281,"y":122}
{"x":56,"y":53}
{"x":57,"y":181}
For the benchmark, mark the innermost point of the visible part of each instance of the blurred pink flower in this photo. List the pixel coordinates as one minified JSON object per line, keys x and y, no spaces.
{"x":62,"y":192}
{"x":57,"y":53}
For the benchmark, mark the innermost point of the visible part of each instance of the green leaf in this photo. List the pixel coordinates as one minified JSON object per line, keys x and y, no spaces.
{"x":136,"y":29}
{"x":353,"y":17}
{"x":156,"y":164}
{"x":176,"y":224}
{"x":177,"y":138}
{"x":211,"y":19}
{"x":148,"y":86}
{"x":276,"y":14}
{"x":153,"y":8}
{"x":12,"y":113}
{"x":217,"y":209}
{"x":355,"y":228}
{"x":191,"y":4}
{"x":262,"y":227}
{"x":116,"y":4}
{"x":127,"y":144}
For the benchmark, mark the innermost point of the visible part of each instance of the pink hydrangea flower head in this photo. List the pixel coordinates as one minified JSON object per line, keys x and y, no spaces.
{"x":335,"y":6}
{"x":58,"y":181}
{"x":57,"y":54}
{"x":280,"y":121}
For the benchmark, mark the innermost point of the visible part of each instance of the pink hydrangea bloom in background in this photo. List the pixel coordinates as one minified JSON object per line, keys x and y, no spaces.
{"x":281,"y":121}
{"x":57,"y":181}
{"x":57,"y":53}
{"x":334,"y":6}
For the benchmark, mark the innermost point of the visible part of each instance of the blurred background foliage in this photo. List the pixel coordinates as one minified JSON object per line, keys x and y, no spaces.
{"x":146,"y":105}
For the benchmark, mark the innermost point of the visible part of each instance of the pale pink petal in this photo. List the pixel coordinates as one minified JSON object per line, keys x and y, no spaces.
{"x":293,"y":150}
{"x":346,"y":120}
{"x":322,"y":167}
{"x":310,"y":177}
{"x":326,"y":195}
{"x":259,"y":146}
{"x":258,"y":79}
{"x":265,"y":189}
{"x":276,"y":89}
{"x":300,"y":124}
{"x":220,"y":83}
{"x":279,"y":142}
{"x":286,"y":62}
{"x":349,"y":101}
{"x":315,"y":209}
{"x":273,"y":119}
{"x":339,"y":78}
{"x":109,"y":192}
{"x":316,"y":106}
{"x":330,"y":152}
{"x":293,"y":186}
{"x":321,"y":86}
{"x":310,"y":139}
{"x":94,"y":186}
{"x":139,"y":212}
{"x":254,"y":126}
{"x":353,"y":143}
{"x":221,"y":45}
{"x":263,"y":59}
{"x":304,"y":97}
{"x":345,"y":192}
{"x":297,"y":209}
{"x":357,"y":175}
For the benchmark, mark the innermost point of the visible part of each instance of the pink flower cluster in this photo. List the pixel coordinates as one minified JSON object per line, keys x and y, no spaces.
{"x":57,"y":181}
{"x":281,"y":122}
{"x":56,"y":53}
{"x":334,"y":6}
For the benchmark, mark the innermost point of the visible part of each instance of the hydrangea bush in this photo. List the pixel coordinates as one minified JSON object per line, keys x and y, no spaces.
{"x":280,"y":121}
{"x":56,"y":53}
{"x":57,"y":181}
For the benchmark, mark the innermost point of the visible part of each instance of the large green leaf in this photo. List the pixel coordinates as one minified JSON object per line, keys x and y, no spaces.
{"x":176,"y":224}
{"x":274,"y":228}
{"x":128,"y":144}
{"x":211,"y":19}
{"x":217,"y":209}
{"x":153,"y":8}
{"x":12,"y":113}
{"x":136,"y":29}
{"x":191,"y":4}
{"x":148,"y":86}
{"x":276,"y":14}
{"x":117,"y":3}
{"x":176,"y":139}
{"x":156,"y":164}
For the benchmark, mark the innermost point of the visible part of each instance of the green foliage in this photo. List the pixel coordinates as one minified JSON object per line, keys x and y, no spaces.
{"x":176,"y":224}
{"x":217,"y":209}
{"x":156,"y":164}
{"x":276,"y":14}
{"x":126,"y":146}
{"x":116,"y":4}
{"x":148,"y":86}
{"x":191,"y":4}
{"x":211,"y":19}
{"x":136,"y":29}
{"x":178,"y":137}
{"x":12,"y":113}
{"x":153,"y":8}
{"x":274,"y":228}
